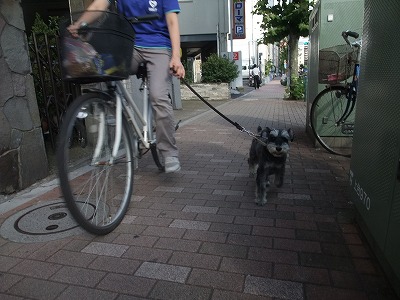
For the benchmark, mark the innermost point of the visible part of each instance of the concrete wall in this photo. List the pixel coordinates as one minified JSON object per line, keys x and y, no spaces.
{"x":23,"y":159}
{"x":209,"y":91}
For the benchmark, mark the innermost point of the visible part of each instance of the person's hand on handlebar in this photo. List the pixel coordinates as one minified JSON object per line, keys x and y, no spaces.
{"x":73,"y":29}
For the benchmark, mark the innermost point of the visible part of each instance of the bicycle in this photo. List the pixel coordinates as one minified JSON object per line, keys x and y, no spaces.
{"x":332,"y":112}
{"x":97,"y":180}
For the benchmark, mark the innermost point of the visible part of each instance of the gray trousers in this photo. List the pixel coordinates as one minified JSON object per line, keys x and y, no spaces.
{"x":160,"y":83}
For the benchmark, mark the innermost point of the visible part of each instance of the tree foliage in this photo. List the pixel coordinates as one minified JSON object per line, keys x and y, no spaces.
{"x":283,"y":19}
{"x":286,"y":20}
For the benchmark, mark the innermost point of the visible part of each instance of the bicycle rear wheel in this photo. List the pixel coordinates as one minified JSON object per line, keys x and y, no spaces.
{"x":96,"y":185}
{"x":332,"y":120}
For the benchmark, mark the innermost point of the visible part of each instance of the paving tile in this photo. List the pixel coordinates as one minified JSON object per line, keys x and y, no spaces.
{"x":207,"y":236}
{"x":70,"y":258}
{"x":7,"y":281}
{"x":297,"y":245}
{"x":253,"y":221}
{"x":28,"y":288}
{"x":148,"y":254}
{"x":175,"y":291}
{"x":223,"y":250}
{"x":215,"y":218}
{"x":313,"y":235}
{"x":49,"y":249}
{"x":301,"y":274}
{"x":246,"y":267}
{"x":179,"y":245}
{"x":347,"y":280}
{"x":36,"y":269}
{"x":126,"y":284}
{"x":142,"y":220}
{"x":25,"y":250}
{"x":273,"y":232}
{"x":114,"y":265}
{"x":187,"y":224}
{"x":215,"y":279}
{"x":169,"y":189}
{"x":326,"y":261}
{"x":200,"y":209}
{"x":248,"y":240}
{"x":195,"y":260}
{"x":230,"y":228}
{"x":167,"y":206}
{"x":135,"y":240}
{"x":281,"y":289}
{"x":78,"y":292}
{"x":78,"y":276}
{"x":315,"y":292}
{"x":228,"y":193}
{"x":164,"y":231}
{"x":7,"y":262}
{"x":163,"y":272}
{"x":169,"y":214}
{"x":105,"y":249}
{"x":228,"y":295}
{"x":273,"y":255}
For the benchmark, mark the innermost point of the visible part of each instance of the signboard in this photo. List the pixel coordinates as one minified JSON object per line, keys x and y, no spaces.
{"x":235,"y":55}
{"x":238,"y":19}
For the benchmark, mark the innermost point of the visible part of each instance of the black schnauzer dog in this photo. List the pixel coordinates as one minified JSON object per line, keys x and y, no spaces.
{"x":268,"y":157}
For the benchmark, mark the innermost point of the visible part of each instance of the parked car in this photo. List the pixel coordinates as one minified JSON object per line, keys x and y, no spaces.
{"x":245,"y":72}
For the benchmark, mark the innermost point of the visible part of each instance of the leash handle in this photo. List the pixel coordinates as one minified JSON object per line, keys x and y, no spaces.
{"x":238,"y":126}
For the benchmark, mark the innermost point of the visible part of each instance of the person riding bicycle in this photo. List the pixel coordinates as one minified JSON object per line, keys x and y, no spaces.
{"x":157,"y":43}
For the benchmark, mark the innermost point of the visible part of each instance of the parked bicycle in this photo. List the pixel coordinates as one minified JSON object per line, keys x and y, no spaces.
{"x":97,"y":181}
{"x":332,"y":113}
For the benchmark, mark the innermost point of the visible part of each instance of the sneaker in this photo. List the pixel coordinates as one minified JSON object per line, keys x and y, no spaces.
{"x":172,"y":164}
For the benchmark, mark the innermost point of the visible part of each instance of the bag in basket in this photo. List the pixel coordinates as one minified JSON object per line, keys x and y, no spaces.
{"x":80,"y":58}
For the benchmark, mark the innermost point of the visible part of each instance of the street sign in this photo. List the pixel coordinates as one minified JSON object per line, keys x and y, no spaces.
{"x":238,"y":19}
{"x":235,"y":55}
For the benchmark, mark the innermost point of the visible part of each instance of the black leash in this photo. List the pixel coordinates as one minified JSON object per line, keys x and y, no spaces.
{"x":237,"y":125}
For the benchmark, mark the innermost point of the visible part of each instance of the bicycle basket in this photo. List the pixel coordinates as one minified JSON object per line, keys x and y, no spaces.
{"x":102,"y":51}
{"x":335,"y":64}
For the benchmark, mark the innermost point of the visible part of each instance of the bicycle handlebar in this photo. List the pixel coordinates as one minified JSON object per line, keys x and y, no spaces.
{"x":85,"y":27}
{"x":347,"y":33}
{"x":147,"y":18}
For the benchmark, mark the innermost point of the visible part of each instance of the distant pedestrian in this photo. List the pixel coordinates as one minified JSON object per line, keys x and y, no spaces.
{"x":256,"y":76}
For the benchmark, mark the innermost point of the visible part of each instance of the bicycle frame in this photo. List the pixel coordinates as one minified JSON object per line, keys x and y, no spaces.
{"x":351,"y":94}
{"x":124,"y":102}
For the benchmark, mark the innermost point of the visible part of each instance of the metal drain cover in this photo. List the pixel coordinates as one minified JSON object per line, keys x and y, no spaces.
{"x":45,"y":221}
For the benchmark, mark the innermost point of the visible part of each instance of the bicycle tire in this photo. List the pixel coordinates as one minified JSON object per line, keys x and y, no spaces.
{"x":97,"y":191}
{"x":326,"y":110}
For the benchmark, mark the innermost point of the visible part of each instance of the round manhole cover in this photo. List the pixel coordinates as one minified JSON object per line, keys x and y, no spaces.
{"x":42,"y":222}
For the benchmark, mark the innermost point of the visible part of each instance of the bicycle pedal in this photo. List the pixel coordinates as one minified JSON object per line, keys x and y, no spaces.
{"x":348,"y":128}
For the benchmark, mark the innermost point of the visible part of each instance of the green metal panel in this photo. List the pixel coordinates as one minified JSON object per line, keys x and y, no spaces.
{"x":376,"y":144}
{"x":347,"y":15}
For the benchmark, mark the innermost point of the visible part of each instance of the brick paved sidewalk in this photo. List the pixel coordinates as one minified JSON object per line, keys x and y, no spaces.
{"x":197,"y":234}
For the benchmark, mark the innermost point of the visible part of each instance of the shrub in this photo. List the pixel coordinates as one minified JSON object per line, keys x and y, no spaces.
{"x":296,"y":90}
{"x":218,"y":69}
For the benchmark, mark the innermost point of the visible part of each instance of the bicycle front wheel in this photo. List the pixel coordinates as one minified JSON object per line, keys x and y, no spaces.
{"x":155,"y":153}
{"x":96,"y":179}
{"x":332,"y":120}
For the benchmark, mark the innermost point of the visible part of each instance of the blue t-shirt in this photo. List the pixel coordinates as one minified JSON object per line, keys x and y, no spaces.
{"x":155,"y":33}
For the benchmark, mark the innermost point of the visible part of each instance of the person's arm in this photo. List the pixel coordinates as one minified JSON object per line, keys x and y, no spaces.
{"x":87,"y":18}
{"x":173,"y":29}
